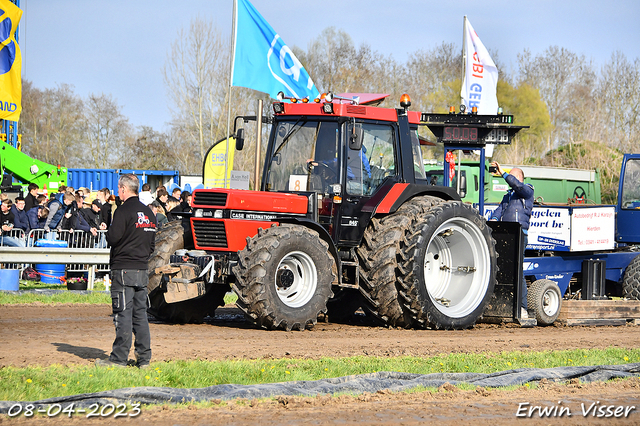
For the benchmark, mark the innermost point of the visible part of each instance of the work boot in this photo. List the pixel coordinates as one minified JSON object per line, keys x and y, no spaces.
{"x":107,"y":363}
{"x":523,"y":313}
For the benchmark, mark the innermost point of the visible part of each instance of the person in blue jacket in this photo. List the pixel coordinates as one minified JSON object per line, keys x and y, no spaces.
{"x":37,"y":215}
{"x":516,"y":206}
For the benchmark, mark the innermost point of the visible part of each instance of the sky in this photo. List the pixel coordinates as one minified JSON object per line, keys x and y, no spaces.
{"x":119,"y":48}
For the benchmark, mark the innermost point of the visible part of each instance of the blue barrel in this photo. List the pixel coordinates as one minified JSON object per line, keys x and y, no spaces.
{"x":10,"y":279}
{"x":51,"y":273}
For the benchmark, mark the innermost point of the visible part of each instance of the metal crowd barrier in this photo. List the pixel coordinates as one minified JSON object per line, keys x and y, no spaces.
{"x":80,"y":245}
{"x":74,"y":240}
{"x":19,"y":235}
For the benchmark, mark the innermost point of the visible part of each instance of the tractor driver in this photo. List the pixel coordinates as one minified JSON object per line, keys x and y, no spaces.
{"x":323,"y":170}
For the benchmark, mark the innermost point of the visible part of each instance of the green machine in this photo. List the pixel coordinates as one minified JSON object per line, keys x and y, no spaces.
{"x":19,"y":170}
{"x":553,"y":185}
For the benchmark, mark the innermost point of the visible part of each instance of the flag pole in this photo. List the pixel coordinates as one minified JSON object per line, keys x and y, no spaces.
{"x":464,"y":54}
{"x":463,"y":74}
{"x":231,"y":63}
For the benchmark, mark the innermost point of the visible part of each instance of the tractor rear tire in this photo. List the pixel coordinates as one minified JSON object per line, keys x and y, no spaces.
{"x":631,"y":280}
{"x":450,"y":264}
{"x":284,"y":277}
{"x":381,"y":258}
{"x":545,"y":299}
{"x":168,"y":239}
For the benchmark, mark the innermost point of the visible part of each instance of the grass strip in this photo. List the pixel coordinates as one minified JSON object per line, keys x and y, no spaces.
{"x":34,"y":383}
{"x":66,"y":297}
{"x":7,"y":298}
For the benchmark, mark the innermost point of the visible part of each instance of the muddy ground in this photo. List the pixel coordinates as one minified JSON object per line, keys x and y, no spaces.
{"x":78,"y":334}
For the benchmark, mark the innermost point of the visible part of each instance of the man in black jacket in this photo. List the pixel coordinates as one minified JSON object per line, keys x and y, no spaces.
{"x":30,"y":201}
{"x":103,"y":196}
{"x":132,"y":240}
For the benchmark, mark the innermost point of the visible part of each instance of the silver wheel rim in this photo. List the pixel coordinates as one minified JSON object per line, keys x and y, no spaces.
{"x":296,"y":279}
{"x":550,"y":303}
{"x":457,"y":267}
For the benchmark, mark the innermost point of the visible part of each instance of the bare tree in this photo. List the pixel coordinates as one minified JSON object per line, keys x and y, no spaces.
{"x":428,"y":74}
{"x":148,"y":150}
{"x":619,"y":96}
{"x":196,"y":76}
{"x":559,"y":75}
{"x":336,"y":65}
{"x":30,"y":119}
{"x":51,"y":124}
{"x":106,"y":130}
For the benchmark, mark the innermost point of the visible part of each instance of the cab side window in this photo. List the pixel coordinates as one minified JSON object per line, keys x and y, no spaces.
{"x":631,"y":187}
{"x":368,"y":167}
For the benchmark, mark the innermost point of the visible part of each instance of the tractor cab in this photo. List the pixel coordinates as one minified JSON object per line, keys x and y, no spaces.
{"x":347,"y":153}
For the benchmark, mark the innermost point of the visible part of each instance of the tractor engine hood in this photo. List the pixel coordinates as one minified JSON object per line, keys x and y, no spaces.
{"x":223,"y":218}
{"x":254,"y":201}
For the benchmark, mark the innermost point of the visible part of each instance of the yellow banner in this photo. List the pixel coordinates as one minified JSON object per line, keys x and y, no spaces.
{"x":214,"y":164}
{"x":10,"y":62}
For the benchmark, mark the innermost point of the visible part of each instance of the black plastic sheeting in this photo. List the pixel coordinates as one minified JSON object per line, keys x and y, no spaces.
{"x":354,"y":385}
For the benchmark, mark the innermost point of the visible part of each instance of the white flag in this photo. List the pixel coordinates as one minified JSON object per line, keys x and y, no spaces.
{"x":480,"y":77}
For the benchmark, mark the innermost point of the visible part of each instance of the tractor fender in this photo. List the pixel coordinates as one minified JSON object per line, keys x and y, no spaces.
{"x":400,"y":193}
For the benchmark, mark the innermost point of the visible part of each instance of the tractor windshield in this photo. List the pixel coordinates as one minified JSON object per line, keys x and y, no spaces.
{"x":305,"y":156}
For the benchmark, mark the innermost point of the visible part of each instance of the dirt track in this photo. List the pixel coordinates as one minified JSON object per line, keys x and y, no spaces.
{"x":78,"y":334}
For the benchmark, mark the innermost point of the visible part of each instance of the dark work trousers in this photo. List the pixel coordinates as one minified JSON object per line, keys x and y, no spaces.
{"x":524,"y":282}
{"x":129,"y":304}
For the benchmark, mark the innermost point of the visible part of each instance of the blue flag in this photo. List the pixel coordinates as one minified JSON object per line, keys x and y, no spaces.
{"x":262,"y":61}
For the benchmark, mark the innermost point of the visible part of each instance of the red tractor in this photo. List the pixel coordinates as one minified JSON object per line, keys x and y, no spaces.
{"x":345,"y":218}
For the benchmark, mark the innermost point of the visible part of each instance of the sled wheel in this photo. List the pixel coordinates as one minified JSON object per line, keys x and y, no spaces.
{"x":545,"y":299}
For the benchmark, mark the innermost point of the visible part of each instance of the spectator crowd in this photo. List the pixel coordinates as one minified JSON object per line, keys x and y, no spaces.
{"x":79,"y":210}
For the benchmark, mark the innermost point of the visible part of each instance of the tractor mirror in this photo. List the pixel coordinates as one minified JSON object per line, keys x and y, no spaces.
{"x":239,"y":139}
{"x":356,"y":134}
{"x":463,"y":186}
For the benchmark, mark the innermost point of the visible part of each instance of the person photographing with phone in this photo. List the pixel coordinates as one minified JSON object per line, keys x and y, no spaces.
{"x":516,"y":206}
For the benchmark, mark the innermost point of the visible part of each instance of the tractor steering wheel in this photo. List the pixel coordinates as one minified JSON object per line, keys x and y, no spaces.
{"x":312,"y":163}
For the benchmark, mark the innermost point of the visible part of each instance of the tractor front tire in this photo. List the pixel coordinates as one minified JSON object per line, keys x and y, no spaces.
{"x":284,"y":277}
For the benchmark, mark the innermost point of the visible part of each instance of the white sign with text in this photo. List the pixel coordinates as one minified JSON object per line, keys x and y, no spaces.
{"x":569,"y":228}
